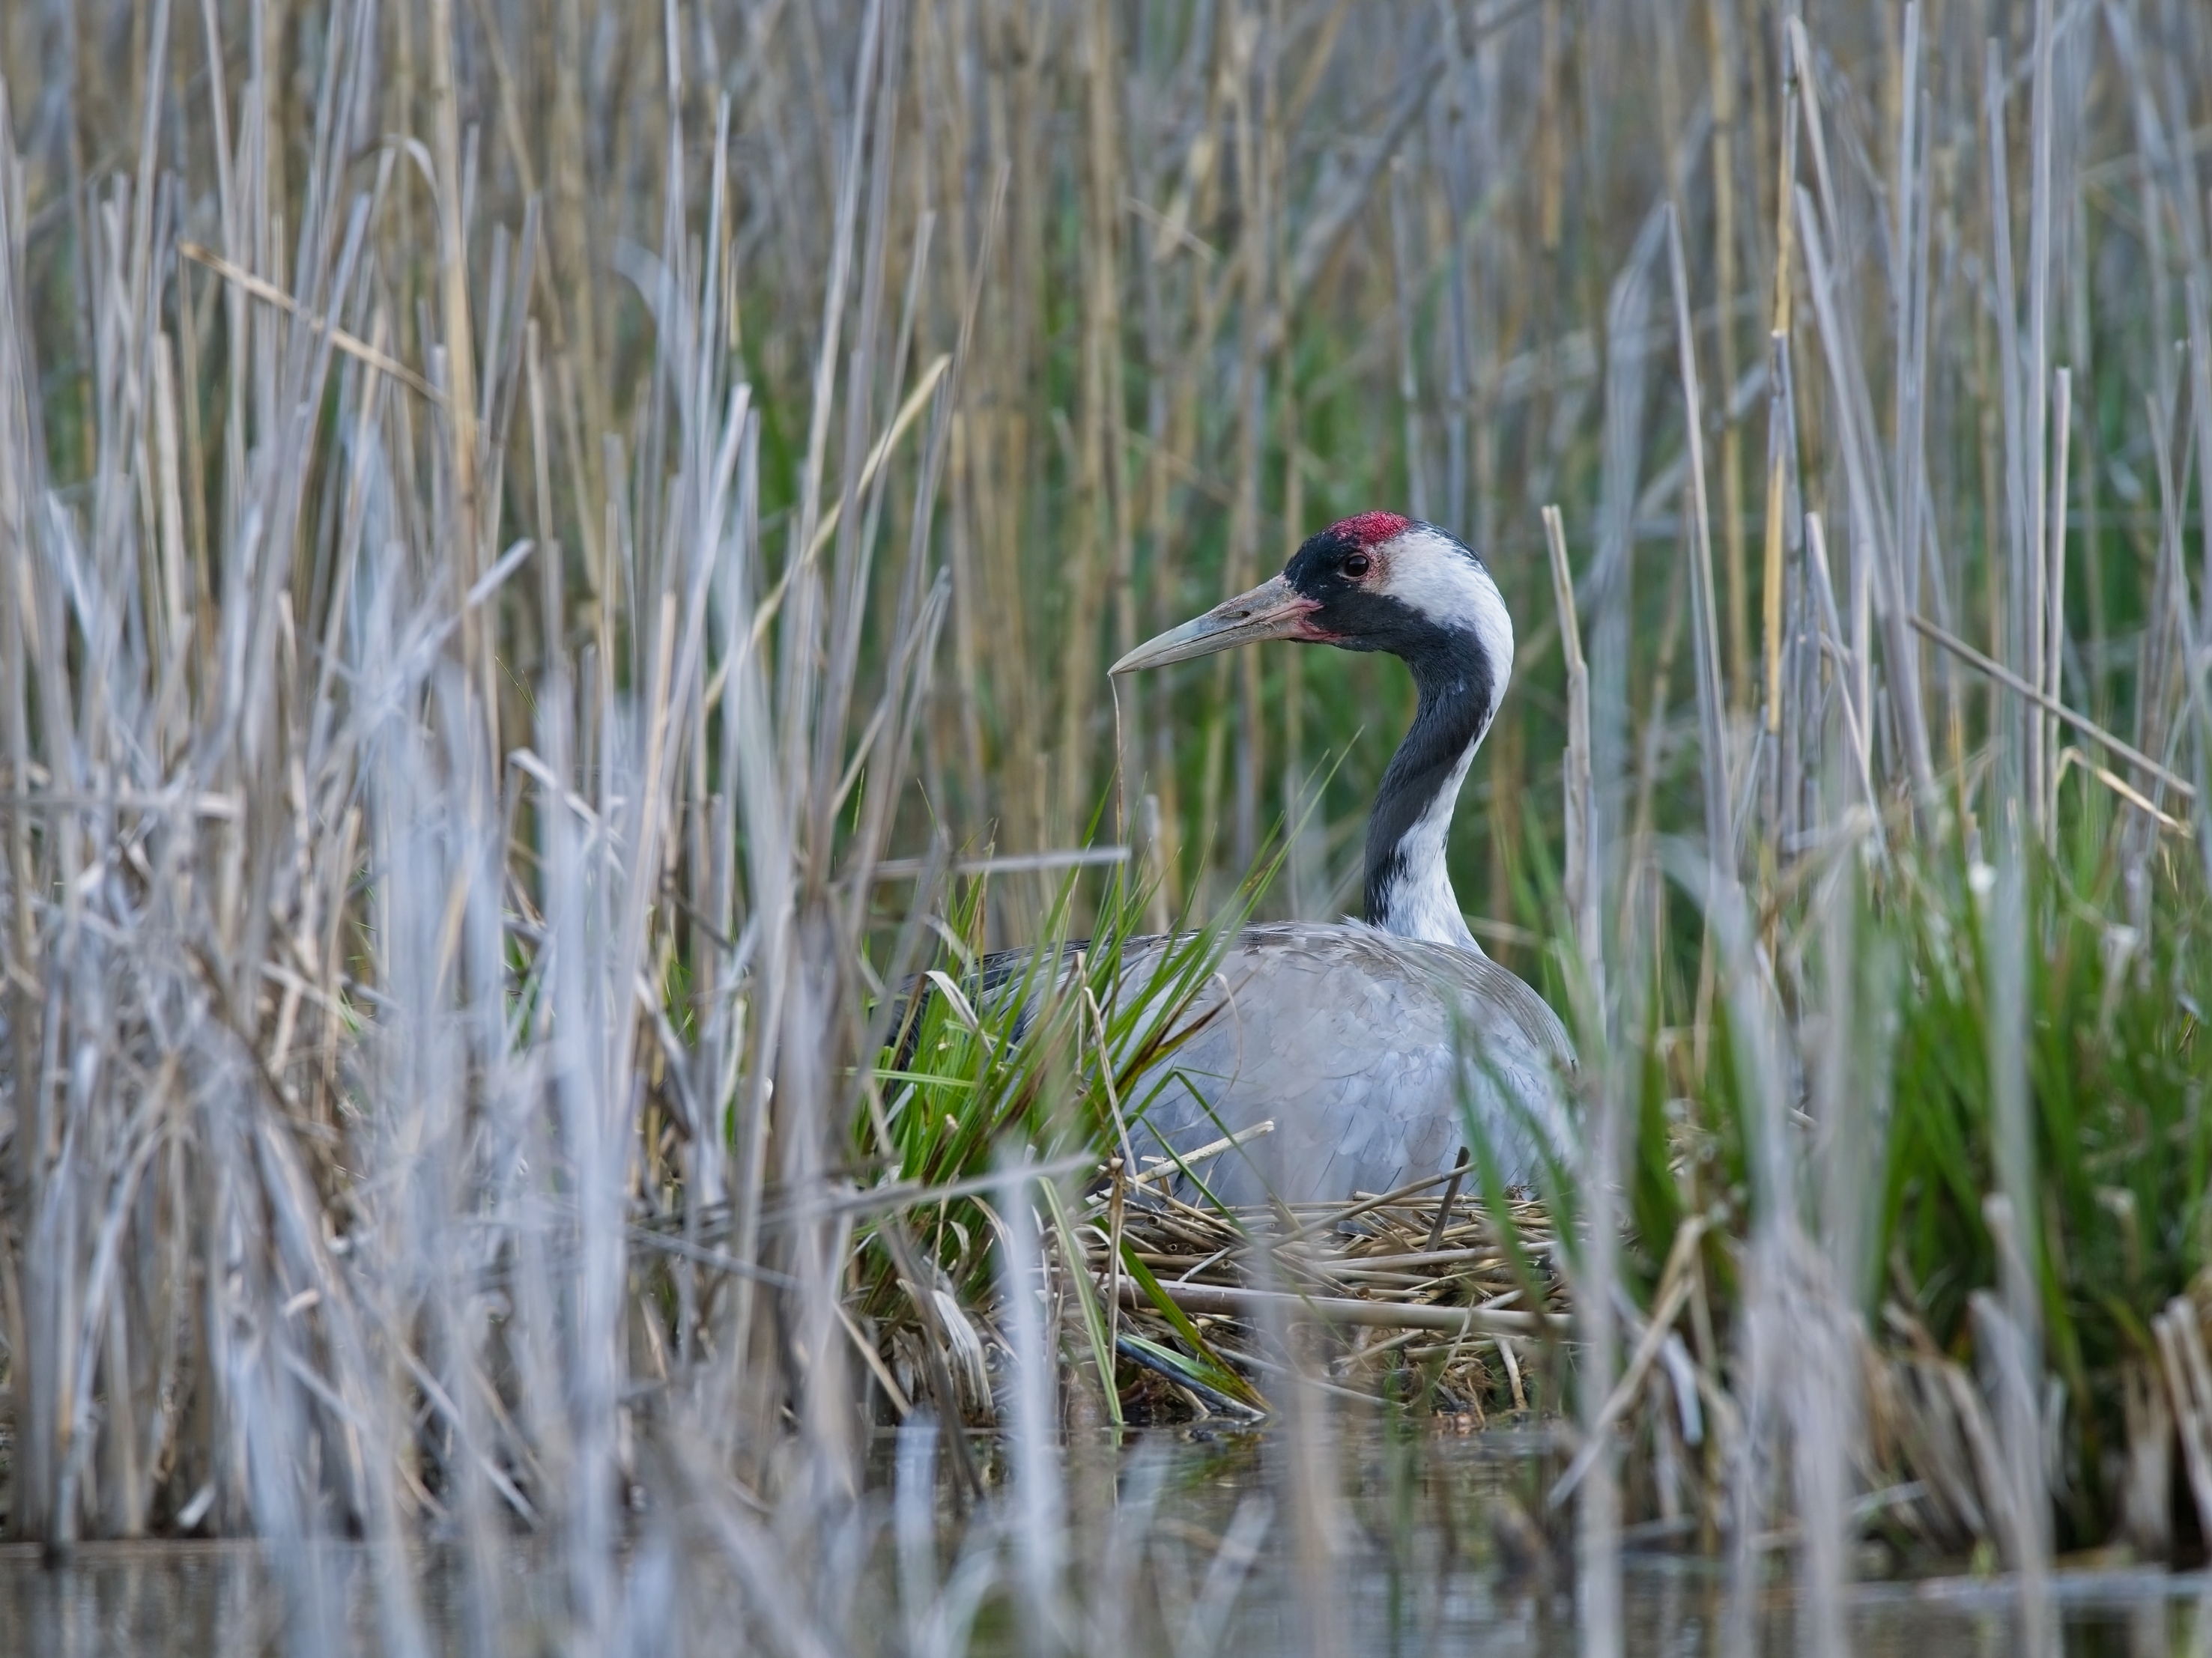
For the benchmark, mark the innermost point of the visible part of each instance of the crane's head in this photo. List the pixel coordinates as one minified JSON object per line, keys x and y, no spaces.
{"x":1376,"y":582}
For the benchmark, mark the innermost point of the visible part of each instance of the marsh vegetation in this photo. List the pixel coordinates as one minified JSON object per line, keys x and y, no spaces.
{"x":554,"y":556}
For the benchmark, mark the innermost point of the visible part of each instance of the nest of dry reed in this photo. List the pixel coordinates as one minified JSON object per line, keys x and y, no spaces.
{"x":1421,"y":1295}
{"x":1418,"y":1294}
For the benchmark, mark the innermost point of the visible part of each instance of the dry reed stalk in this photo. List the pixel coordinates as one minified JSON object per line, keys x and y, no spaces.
{"x":1722,"y":30}
{"x":1873,"y":563}
{"x":1580,"y":882}
{"x":1720,"y":826}
{"x":2053,"y":651}
{"x":1780,"y":437}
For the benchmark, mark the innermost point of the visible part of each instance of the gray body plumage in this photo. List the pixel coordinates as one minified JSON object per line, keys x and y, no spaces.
{"x":1369,"y":1052}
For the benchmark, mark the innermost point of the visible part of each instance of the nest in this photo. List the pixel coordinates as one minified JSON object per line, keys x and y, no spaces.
{"x":1420,"y":1295}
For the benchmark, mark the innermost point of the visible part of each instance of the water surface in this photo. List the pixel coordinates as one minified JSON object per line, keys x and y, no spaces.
{"x":1425,"y":1565}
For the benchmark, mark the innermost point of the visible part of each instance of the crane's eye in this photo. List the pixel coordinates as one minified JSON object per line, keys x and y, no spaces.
{"x":1357,"y":565}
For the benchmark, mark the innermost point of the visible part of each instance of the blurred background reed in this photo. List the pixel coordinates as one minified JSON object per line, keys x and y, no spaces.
{"x":538,"y":541}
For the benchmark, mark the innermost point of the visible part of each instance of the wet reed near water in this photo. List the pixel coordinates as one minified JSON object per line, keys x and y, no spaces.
{"x":552,"y":554}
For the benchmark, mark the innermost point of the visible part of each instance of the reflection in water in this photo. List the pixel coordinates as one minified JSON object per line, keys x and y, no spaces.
{"x":1178,"y":1549}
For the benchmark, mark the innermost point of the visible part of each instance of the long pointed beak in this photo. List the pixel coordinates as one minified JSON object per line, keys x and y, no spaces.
{"x":1273,"y":610}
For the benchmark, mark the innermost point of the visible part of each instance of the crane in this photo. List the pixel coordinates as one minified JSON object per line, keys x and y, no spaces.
{"x":1365,"y":1043}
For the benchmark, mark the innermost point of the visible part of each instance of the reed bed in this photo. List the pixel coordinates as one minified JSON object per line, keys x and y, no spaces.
{"x":554,"y":558}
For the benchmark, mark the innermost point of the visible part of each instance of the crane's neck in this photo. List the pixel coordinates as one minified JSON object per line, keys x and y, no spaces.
{"x":1409,"y":890}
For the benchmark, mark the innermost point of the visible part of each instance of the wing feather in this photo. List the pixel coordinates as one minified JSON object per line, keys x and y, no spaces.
{"x":1359,"y":1045}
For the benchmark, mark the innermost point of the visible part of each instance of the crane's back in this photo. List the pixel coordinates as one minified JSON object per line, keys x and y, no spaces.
{"x":1369,"y":1052}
